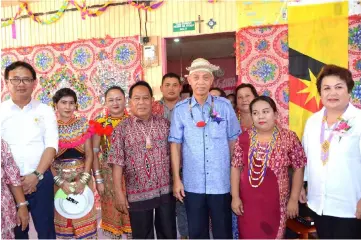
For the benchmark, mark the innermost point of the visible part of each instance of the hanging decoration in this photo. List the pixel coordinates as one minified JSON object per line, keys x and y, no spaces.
{"x":147,"y":8}
{"x":55,"y":17}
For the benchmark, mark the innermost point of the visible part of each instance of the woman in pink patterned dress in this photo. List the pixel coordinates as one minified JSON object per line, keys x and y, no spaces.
{"x":10,"y":189}
{"x":259,"y":177}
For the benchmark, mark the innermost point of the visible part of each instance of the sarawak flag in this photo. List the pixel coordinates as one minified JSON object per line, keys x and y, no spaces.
{"x":317,"y":35}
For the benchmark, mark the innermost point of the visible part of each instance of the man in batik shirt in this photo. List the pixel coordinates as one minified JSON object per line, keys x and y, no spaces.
{"x":141,"y":152}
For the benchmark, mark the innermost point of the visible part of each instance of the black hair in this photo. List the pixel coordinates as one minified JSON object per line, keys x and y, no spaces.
{"x":187,"y":89}
{"x":18,"y":64}
{"x":140,"y":83}
{"x":64,"y":92}
{"x":171,"y":75}
{"x":113,"y":88}
{"x":247,"y":85}
{"x":231,"y":95}
{"x":332,"y":70}
{"x":223,"y":94}
{"x":267,"y":99}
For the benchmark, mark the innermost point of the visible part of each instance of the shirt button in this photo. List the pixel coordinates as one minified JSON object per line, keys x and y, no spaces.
{"x":207,"y":148}
{"x":206,"y":135}
{"x":207,"y":173}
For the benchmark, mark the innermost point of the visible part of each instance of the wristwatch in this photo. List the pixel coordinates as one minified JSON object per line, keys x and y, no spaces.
{"x":40,"y":176}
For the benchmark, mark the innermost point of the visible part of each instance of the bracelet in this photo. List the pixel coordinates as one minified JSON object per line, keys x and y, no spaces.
{"x":85,"y":178}
{"x":95,"y":150}
{"x":26,"y":203}
{"x":100,"y":180}
{"x":97,"y":172}
{"x":58,"y":181}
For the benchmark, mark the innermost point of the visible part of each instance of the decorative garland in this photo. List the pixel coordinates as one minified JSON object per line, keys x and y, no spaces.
{"x":81,"y":7}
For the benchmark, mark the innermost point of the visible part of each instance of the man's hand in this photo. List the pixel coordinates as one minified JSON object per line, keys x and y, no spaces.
{"x":178,"y":190}
{"x":303,"y":196}
{"x":121,"y":202}
{"x":29,"y":183}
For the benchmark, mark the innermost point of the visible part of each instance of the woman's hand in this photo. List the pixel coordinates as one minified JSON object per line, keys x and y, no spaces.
{"x":292,"y":208}
{"x":22,"y":217}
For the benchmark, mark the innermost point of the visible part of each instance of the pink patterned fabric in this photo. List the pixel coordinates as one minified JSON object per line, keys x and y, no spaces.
{"x":81,"y":58}
{"x":10,"y":175}
{"x":262,"y":60}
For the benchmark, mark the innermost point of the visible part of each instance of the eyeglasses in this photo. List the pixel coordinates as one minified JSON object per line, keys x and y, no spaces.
{"x":17,"y":81}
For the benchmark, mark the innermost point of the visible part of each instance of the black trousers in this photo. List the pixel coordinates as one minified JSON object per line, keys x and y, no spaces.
{"x":41,"y":207}
{"x":337,"y":228}
{"x":200,"y":207}
{"x":143,"y":223}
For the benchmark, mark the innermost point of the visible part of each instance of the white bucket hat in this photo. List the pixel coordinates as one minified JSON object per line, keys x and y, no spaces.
{"x":201,"y":64}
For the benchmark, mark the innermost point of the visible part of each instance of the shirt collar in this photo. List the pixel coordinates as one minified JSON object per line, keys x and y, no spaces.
{"x":194,"y":101}
{"x":28,"y":106}
{"x":136,"y":119}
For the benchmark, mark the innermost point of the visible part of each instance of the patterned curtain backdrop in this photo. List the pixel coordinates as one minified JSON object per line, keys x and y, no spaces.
{"x":80,"y":59}
{"x":262,"y":60}
{"x":354,"y":56}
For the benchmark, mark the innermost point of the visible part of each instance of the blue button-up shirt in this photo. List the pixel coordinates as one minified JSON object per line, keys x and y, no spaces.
{"x":205,"y":151}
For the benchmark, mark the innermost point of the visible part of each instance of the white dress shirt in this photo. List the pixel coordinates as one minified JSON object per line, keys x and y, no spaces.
{"x":335,"y":188}
{"x":28,"y":131}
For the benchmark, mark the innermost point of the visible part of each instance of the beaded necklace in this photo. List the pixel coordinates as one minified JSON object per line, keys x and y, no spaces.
{"x":201,"y":124}
{"x":254,"y":154}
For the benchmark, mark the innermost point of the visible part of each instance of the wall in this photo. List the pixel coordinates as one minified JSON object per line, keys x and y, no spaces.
{"x":120,"y":21}
{"x":227,"y":64}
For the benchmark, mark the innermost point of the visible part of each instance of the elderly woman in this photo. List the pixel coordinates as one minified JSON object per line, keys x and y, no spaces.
{"x":11,"y":188}
{"x":332,"y":142}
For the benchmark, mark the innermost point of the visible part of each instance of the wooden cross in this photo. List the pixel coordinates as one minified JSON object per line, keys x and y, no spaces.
{"x":199,"y":21}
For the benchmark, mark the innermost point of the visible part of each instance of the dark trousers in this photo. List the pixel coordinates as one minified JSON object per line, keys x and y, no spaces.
{"x":41,"y":207}
{"x":182,"y":222}
{"x":200,"y":207}
{"x":336,"y":228}
{"x":142,"y":222}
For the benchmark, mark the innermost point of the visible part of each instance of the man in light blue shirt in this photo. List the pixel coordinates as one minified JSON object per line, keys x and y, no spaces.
{"x":204,"y":128}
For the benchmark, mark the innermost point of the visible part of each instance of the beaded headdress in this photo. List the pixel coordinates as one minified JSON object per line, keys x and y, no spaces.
{"x":108,"y":75}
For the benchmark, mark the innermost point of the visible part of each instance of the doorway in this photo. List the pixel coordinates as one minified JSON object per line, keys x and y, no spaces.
{"x":216,"y":48}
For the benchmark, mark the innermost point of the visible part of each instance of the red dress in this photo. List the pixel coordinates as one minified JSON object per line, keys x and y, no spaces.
{"x":265,"y":206}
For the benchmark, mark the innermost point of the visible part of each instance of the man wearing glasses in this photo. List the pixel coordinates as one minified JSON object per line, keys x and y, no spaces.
{"x":30,"y":128}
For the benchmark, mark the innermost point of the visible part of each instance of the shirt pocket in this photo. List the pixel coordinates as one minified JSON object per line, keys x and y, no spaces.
{"x":218,"y":130}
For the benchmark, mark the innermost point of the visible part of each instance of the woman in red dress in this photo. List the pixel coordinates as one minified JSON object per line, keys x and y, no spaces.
{"x":259,"y":177}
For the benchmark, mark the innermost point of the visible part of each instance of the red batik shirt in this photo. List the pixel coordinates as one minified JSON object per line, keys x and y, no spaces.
{"x":146,"y":171}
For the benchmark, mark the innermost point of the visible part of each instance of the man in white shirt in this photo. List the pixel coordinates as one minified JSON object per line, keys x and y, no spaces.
{"x":31,"y":130}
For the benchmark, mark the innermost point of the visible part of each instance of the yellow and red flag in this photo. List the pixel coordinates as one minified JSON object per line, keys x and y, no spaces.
{"x":317,"y":35}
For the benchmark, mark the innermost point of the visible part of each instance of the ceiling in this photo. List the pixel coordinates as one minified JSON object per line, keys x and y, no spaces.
{"x":207,"y":46}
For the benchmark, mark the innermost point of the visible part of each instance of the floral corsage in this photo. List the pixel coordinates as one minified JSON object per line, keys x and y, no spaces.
{"x":216,"y":117}
{"x":342,"y":128}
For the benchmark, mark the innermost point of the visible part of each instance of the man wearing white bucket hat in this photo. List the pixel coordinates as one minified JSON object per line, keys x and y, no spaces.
{"x":205,"y":129}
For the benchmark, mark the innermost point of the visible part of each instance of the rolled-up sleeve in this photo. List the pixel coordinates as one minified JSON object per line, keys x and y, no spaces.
{"x":116,"y":153}
{"x":233,"y":128}
{"x":51,"y":136}
{"x":176,"y":128}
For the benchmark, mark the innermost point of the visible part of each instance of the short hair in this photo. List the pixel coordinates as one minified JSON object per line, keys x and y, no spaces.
{"x":140,"y":83}
{"x":231,"y":95}
{"x":332,"y":70}
{"x":267,"y":99}
{"x":171,"y":75}
{"x":247,"y":85}
{"x":187,"y":89}
{"x":64,"y":92}
{"x":18,"y":64}
{"x":223,"y":94}
{"x":114,"y":88}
